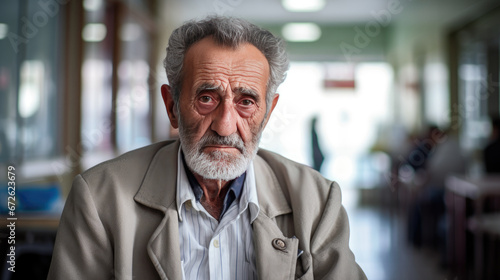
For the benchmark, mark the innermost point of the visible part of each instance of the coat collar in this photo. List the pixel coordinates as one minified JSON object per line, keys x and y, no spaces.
{"x":158,"y":191}
{"x":158,"y":187}
{"x":272,"y":200}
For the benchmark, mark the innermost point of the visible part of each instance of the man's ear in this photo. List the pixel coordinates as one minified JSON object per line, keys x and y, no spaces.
{"x":273,"y":104}
{"x":166,"y":94}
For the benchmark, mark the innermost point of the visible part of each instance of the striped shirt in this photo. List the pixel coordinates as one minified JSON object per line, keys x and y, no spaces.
{"x":212,"y":249}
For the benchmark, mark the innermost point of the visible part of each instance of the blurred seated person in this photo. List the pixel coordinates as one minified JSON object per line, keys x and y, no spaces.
{"x":491,"y":154}
{"x":427,"y":213}
{"x":423,"y":147}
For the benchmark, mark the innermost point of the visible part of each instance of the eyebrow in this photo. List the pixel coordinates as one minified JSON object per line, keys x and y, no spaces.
{"x":241,"y":90}
{"x":247,"y":91}
{"x":208,"y":86}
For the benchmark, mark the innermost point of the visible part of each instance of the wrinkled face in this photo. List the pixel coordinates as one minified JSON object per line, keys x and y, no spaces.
{"x":222,"y":108}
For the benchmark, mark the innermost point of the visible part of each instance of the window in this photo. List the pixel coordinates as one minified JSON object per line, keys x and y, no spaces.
{"x":30,"y":102}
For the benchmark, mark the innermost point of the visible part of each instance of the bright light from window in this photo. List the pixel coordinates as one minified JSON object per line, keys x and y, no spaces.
{"x":130,"y":32}
{"x":4,"y":29}
{"x":30,"y":89}
{"x":301,"y":32}
{"x":94,"y":32}
{"x":303,"y":6}
{"x":92,"y":5}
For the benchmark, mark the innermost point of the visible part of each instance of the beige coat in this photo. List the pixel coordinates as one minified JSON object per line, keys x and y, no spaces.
{"x":120,"y":221}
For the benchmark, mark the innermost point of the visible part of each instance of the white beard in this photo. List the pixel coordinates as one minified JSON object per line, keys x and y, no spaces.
{"x":216,"y":164}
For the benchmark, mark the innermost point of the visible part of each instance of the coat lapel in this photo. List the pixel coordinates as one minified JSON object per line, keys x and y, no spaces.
{"x":158,"y":191}
{"x":276,"y":254}
{"x":163,"y":247}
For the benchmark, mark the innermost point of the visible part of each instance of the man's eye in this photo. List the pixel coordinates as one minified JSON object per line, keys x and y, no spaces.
{"x":205,"y":99}
{"x":247,"y":102}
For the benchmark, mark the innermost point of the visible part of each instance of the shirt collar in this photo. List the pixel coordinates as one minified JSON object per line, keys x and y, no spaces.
{"x":233,"y":194}
{"x":249,"y":195}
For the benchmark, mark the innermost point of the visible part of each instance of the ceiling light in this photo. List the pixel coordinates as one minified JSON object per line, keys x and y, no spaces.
{"x":303,"y":6}
{"x":94,"y":32}
{"x":301,"y":32}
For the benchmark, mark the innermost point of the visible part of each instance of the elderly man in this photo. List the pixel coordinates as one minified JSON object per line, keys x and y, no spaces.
{"x":210,"y":205}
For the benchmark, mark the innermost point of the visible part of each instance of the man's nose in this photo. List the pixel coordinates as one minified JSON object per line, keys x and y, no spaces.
{"x":224,"y":122}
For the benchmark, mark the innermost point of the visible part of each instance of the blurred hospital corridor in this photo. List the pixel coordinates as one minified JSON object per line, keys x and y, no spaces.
{"x":398,"y":101}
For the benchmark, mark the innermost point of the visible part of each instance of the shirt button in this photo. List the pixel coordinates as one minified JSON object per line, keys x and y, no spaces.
{"x":216,"y":243}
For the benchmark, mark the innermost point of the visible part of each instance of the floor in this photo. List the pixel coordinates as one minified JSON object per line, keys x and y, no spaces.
{"x":378,"y":240}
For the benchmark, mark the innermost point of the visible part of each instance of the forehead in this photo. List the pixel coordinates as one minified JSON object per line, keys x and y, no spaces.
{"x":207,"y":60}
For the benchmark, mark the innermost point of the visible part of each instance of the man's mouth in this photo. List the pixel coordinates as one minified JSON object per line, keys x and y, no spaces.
{"x":223,"y":144}
{"x":214,"y":147}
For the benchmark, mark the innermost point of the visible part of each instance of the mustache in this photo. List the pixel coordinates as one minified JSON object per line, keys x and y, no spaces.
{"x":233,"y":140}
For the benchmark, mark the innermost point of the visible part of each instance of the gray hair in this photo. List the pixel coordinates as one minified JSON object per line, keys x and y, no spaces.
{"x":230,"y":32}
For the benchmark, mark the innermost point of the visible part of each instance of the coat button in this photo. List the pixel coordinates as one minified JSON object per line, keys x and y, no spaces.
{"x":279,"y":244}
